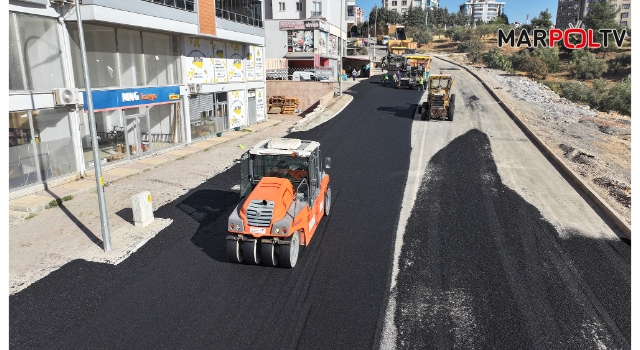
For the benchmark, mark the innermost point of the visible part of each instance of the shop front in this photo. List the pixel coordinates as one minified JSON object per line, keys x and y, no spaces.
{"x":218,"y":75}
{"x":132,"y":122}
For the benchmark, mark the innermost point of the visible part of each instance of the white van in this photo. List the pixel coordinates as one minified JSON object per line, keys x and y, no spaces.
{"x":385,"y":39}
{"x":303,"y":76}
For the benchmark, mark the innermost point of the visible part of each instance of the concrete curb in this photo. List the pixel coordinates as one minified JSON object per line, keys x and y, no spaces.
{"x":599,"y":201}
{"x":302,"y":124}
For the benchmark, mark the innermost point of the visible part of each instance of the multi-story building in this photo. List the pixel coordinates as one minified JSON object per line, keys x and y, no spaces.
{"x":484,"y":10}
{"x":359,"y":12}
{"x":572,"y":11}
{"x":305,"y":34}
{"x":402,"y":6}
{"x":162,"y":72}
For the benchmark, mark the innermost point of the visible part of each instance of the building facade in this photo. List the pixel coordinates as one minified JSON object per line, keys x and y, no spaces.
{"x":570,"y":12}
{"x":483,"y":10}
{"x":359,"y":15}
{"x":162,"y":73}
{"x":304,"y":35}
{"x":402,"y":6}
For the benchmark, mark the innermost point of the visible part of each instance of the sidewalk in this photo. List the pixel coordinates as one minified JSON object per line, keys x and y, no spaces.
{"x":49,"y":238}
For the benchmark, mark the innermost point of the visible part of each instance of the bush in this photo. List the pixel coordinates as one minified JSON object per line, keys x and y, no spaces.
{"x":473,"y":47}
{"x":535,"y":68}
{"x":517,"y":58}
{"x":551,"y":85}
{"x":619,"y":96}
{"x":496,"y":59}
{"x":597,"y":96}
{"x":574,"y":91}
{"x":548,"y":55}
{"x":585,"y":65}
{"x":621,"y":61}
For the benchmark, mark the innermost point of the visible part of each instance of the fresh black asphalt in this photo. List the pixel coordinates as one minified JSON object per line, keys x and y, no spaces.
{"x":480,"y":267}
{"x":179,"y":291}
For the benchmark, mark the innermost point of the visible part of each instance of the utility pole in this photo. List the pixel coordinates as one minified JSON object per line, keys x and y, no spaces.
{"x":341,"y":48}
{"x":375,"y":32}
{"x":104,"y":220}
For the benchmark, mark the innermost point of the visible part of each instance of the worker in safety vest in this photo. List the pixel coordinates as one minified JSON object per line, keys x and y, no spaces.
{"x":420,"y":83}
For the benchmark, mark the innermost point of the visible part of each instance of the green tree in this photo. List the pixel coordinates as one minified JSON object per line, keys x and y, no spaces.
{"x":415,"y":17}
{"x":535,"y":68}
{"x":518,"y":58}
{"x":602,"y":16}
{"x":496,"y":59}
{"x":619,"y":96}
{"x":504,"y":18}
{"x":473,"y":47}
{"x":383,"y":16}
{"x":543,"y":21}
{"x":585,"y":65}
{"x":486,"y":29}
{"x":548,"y":55}
{"x":621,"y":61}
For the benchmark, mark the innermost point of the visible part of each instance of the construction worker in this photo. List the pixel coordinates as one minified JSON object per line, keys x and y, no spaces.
{"x":385,"y":79}
{"x":420,"y":83}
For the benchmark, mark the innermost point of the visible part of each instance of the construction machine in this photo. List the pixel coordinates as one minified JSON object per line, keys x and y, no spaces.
{"x":408,"y":68}
{"x":440,"y":102}
{"x":284,"y":193}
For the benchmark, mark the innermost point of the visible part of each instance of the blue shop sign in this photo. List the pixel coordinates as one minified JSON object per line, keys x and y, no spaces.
{"x":125,"y":98}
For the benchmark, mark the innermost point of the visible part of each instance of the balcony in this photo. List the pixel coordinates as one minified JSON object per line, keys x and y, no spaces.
{"x":236,"y":17}
{"x":316,"y":13}
{"x":187,"y":5}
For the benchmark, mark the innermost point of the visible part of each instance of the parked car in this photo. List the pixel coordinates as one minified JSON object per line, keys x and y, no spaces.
{"x":306,"y":76}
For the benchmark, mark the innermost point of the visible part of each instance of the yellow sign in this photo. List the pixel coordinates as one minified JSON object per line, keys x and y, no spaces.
{"x":174,"y":96}
{"x":149,"y":198}
{"x":101,"y":181}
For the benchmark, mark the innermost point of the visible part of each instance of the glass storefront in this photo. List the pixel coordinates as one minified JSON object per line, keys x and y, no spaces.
{"x":40,"y":146}
{"x":34,"y":54}
{"x":208,"y":114}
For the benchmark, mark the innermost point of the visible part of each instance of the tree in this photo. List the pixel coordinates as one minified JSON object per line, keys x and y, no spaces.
{"x":621,"y":61}
{"x":504,"y":18}
{"x":602,"y":16}
{"x":585,"y":65}
{"x":619,"y":96}
{"x":473,"y":47}
{"x":535,"y":68}
{"x":485,"y":29}
{"x":544,"y":21}
{"x":496,"y":59}
{"x":548,"y":55}
{"x":383,"y":16}
{"x":415,"y":17}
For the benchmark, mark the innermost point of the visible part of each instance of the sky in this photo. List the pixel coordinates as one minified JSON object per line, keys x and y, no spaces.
{"x":516,"y":10}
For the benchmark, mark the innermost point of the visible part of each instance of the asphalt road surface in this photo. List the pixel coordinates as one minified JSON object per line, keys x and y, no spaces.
{"x":499,"y":251}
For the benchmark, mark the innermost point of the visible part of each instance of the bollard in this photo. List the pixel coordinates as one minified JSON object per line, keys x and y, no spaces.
{"x":142,"y":209}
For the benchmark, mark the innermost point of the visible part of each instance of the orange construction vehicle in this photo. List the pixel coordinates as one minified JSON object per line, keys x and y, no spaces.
{"x":284,"y":193}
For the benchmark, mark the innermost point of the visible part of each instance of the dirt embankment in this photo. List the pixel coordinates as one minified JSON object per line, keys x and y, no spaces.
{"x":596,"y":145}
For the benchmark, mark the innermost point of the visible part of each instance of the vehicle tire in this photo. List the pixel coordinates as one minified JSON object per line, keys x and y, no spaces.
{"x":289,"y":252}
{"x":251,"y":252}
{"x":327,"y":202}
{"x":234,"y":251}
{"x":268,"y":254}
{"x":452,"y":107}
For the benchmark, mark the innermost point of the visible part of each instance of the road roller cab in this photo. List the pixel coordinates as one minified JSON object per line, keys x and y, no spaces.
{"x":284,"y":193}
{"x":440,"y":102}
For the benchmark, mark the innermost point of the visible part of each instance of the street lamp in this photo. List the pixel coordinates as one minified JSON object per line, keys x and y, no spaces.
{"x":104,"y":220}
{"x":341,"y":48}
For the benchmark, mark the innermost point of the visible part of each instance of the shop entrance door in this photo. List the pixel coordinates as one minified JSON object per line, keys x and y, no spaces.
{"x":137,"y":135}
{"x":252,"y":118}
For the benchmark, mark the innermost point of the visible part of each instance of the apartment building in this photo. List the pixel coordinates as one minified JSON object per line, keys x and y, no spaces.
{"x":572,"y":11}
{"x":305,"y":34}
{"x":359,"y":15}
{"x":162,"y":72}
{"x":402,"y":6}
{"x":485,"y":10}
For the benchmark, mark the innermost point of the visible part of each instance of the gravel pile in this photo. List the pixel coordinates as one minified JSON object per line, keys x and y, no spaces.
{"x":547,"y":100}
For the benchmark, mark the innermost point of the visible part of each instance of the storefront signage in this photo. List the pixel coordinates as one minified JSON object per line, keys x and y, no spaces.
{"x":236,"y":109}
{"x":220,"y":68}
{"x":198,"y":60}
{"x":124,"y":98}
{"x":260,"y":105}
{"x":235,"y":70}
{"x":312,"y":24}
{"x":300,"y":41}
{"x":249,"y":64}
{"x":259,"y":63}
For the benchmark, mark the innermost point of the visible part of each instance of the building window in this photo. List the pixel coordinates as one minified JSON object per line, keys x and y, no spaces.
{"x":298,"y":6}
{"x":626,"y":6}
{"x":403,"y":10}
{"x":613,"y":7}
{"x":561,"y":7}
{"x":121,"y":65}
{"x":623,"y":23}
{"x":404,"y":2}
{"x":317,"y":8}
{"x":624,"y":15}
{"x":281,"y":6}
{"x":179,"y":4}
{"x":394,"y":3}
{"x":34,"y":54}
{"x":242,"y":11}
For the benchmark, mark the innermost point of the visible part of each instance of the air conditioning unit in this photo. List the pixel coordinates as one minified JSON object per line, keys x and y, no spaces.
{"x":66,"y":96}
{"x":195,"y":88}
